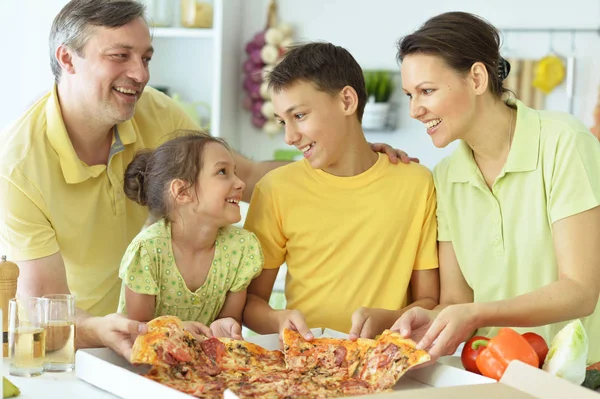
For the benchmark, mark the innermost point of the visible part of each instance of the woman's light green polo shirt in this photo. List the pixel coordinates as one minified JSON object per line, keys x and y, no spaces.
{"x":503,"y":237}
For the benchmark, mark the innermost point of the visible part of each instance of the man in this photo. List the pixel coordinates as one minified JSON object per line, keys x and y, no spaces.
{"x":63,"y":216}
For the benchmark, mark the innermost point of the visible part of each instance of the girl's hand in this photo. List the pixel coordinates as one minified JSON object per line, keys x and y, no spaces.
{"x":198,"y":330}
{"x":226,"y":327}
{"x":452,"y":326}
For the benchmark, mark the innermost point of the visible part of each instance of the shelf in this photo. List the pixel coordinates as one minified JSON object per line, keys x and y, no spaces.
{"x":182,"y":32}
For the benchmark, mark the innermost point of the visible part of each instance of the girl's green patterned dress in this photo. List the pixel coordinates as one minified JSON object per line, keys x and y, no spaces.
{"x":148,"y":267}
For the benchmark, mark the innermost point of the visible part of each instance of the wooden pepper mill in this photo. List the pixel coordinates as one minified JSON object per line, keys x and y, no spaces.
{"x":9,"y":272}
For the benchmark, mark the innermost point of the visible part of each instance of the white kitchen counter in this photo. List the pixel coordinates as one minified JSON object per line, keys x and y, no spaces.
{"x":55,"y":386}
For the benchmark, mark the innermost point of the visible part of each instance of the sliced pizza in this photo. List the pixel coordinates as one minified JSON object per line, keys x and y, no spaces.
{"x":237,"y":355}
{"x":338,"y":356}
{"x":387,"y":361}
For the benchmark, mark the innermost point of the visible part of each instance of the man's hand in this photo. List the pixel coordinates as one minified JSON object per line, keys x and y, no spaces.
{"x":118,"y":332}
{"x":293,"y":320}
{"x":392,"y":153}
{"x":226,"y":327}
{"x":369,"y":322}
{"x":198,"y":330}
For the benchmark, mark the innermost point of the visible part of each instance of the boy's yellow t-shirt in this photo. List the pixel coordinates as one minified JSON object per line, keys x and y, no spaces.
{"x":347,"y":241}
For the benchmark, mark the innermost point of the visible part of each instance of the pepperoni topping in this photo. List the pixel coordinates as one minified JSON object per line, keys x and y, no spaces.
{"x":214,"y":349}
{"x":340,"y":355}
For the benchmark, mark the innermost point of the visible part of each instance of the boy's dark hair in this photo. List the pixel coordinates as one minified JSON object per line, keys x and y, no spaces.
{"x":330,"y":68}
{"x":149,"y":174}
{"x":460,"y":39}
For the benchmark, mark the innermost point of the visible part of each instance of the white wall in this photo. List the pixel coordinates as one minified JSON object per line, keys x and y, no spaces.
{"x":25,"y":60}
{"x":370,"y":29}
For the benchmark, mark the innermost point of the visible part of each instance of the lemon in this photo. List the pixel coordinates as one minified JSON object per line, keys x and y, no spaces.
{"x":9,"y":390}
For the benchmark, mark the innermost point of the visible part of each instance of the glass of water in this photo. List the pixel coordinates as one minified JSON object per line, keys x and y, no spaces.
{"x":26,"y":336}
{"x":59,"y":323}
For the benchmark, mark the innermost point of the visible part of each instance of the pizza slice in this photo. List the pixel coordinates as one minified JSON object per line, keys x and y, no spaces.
{"x":337,"y":356}
{"x":242,"y":356}
{"x":167,"y":343}
{"x":387,"y":361}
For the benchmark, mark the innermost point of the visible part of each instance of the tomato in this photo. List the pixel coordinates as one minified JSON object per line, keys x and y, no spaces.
{"x":469,"y":354}
{"x":539,"y":345}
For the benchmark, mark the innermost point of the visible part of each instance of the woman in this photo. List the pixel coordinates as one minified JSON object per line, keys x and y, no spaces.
{"x":518,"y":215}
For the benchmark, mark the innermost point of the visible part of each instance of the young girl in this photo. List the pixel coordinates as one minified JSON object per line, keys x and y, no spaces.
{"x":190,"y":263}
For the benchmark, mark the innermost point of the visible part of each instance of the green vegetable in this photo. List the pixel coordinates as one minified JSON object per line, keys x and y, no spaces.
{"x":9,"y":390}
{"x":592,"y":379}
{"x":568,"y":353}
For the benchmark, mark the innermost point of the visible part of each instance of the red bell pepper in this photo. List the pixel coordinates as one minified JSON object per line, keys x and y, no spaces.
{"x":471,"y":350}
{"x":505,"y":347}
{"x":539,"y":345}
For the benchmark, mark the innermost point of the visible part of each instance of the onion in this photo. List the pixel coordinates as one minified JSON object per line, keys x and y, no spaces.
{"x":271,"y":127}
{"x":269,"y":54}
{"x":256,"y":57}
{"x":267,"y":109}
{"x":258,"y":121}
{"x":286,"y":29}
{"x":259,"y":39}
{"x":273,"y":36}
{"x":264,"y":91}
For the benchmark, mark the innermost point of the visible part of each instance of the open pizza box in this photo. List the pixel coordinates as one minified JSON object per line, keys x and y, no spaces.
{"x":106,"y":370}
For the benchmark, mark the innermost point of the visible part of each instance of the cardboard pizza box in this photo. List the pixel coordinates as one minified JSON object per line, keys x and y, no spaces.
{"x":106,"y":370}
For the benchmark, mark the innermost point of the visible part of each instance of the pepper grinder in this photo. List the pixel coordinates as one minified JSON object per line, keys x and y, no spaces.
{"x":9,"y":272}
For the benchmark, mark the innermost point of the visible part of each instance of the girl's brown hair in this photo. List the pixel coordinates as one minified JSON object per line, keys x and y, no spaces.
{"x":148,"y":176}
{"x":460,"y":39}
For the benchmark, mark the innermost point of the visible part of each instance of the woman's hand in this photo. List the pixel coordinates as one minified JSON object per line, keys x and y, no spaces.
{"x":393,"y":153}
{"x":198,"y":330}
{"x":440,"y":335}
{"x":226,"y":327}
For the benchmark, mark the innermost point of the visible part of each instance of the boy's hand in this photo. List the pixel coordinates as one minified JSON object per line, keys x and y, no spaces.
{"x":198,"y":330}
{"x":368,"y":322}
{"x":392,"y":153}
{"x":293,"y":320}
{"x":226,"y":327}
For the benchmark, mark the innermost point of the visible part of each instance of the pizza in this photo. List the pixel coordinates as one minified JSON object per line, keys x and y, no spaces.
{"x":322,"y":368}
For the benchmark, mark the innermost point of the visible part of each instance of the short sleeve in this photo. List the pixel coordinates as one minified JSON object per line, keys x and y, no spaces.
{"x":263,"y":219}
{"x":443,"y":232}
{"x":575,"y":175}
{"x":25,"y":231}
{"x":251,"y":264}
{"x":138,"y":271}
{"x":427,"y":256}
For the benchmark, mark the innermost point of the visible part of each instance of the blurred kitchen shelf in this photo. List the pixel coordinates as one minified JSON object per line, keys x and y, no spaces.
{"x":183,"y":32}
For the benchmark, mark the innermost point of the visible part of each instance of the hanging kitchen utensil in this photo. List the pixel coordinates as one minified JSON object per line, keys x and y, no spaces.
{"x":571,"y":75}
{"x":550,"y":70}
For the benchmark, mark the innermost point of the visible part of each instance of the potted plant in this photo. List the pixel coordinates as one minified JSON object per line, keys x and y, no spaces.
{"x":380,"y":86}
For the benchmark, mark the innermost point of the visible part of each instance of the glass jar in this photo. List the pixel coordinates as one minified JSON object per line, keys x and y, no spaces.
{"x":196,"y":14}
{"x":161,"y":13}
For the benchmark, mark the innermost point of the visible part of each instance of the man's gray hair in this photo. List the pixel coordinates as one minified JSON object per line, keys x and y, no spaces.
{"x":72,"y":26}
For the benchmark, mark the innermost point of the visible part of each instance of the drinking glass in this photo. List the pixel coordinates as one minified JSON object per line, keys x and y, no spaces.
{"x":26,"y":336}
{"x":59,"y":323}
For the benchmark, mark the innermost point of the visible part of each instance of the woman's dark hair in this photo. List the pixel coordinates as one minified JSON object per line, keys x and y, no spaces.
{"x":460,"y":39}
{"x":148,"y":176}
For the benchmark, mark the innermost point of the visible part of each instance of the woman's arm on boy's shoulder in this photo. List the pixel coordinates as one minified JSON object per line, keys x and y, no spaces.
{"x":139,"y":306}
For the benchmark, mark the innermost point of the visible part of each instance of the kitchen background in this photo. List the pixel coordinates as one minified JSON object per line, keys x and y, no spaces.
{"x":203,"y":68}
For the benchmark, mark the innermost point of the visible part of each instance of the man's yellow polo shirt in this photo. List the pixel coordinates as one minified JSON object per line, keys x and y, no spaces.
{"x":503,"y":237}
{"x":51,"y":201}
